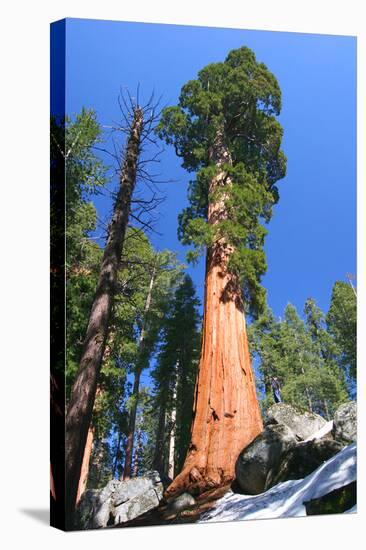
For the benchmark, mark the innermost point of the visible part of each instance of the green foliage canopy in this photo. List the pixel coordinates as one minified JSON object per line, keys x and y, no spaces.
{"x":238,"y":99}
{"x":303,"y":355}
{"x":342,"y":324}
{"x":174,"y":373}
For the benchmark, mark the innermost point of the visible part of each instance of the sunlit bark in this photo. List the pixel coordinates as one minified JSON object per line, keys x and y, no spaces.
{"x":226,"y":410}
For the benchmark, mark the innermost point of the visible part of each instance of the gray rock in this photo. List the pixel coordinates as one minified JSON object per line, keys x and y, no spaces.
{"x":260,"y":456}
{"x":345,"y":423}
{"x":302,"y":424}
{"x":95,"y":506}
{"x":182,"y":502}
{"x":135,"y":486}
{"x":302,"y":460}
{"x":120,"y":501}
{"x":85,"y":509}
{"x":136,"y":506}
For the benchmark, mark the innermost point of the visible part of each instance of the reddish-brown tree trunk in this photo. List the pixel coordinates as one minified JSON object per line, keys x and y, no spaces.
{"x":85,"y":465}
{"x":84,"y":388}
{"x":52,"y":484}
{"x":226,"y":410}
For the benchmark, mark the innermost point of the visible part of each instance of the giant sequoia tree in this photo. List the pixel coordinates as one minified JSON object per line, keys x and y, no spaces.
{"x":225,"y":130}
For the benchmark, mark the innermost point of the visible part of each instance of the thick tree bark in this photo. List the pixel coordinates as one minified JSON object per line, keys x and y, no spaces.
{"x":83,"y":391}
{"x":57,"y":480}
{"x":136,"y":384}
{"x":226,"y":410}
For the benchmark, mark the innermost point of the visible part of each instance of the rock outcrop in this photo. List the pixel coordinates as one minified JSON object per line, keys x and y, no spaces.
{"x":302,"y":424}
{"x":120,"y":501}
{"x":330,"y":488}
{"x":178,"y":504}
{"x":302,"y":460}
{"x":263,"y":454}
{"x":345,"y":423}
{"x":292,"y":445}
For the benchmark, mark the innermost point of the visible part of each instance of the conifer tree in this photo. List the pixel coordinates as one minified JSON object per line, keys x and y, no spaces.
{"x":265,"y":347}
{"x":174,"y":376}
{"x":72,"y":155}
{"x":163,"y":274}
{"x":332,"y":390}
{"x":302,"y":354}
{"x":342,"y":324}
{"x":226,"y":131}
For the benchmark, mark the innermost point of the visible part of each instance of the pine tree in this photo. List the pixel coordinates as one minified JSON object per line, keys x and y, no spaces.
{"x":163,"y":274}
{"x":302,"y":354}
{"x":174,"y":378}
{"x":331,"y":391}
{"x":72,"y":155}
{"x":225,"y":130}
{"x":342,"y":324}
{"x":265,"y":346}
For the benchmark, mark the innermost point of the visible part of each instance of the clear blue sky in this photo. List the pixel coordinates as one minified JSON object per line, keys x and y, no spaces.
{"x":312,"y":235}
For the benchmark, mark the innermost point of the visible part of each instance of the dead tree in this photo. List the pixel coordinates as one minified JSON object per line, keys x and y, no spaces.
{"x":139,"y":124}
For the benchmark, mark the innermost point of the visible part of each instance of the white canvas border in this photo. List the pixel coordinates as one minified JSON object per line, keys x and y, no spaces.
{"x":24,"y":273}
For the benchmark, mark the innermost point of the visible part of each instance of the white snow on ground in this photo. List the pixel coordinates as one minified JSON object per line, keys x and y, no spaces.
{"x":287,"y":499}
{"x":323,"y":431}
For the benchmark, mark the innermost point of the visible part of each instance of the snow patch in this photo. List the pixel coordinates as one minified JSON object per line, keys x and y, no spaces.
{"x":287,"y":499}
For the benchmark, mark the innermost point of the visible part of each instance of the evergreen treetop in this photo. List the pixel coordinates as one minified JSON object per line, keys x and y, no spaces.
{"x":237,"y":100}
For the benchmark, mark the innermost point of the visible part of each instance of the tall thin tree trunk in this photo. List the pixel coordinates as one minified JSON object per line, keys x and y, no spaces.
{"x":226,"y":410}
{"x":138,"y":451}
{"x":131,"y":426}
{"x":83,"y":391}
{"x":136,"y":384}
{"x":87,"y":452}
{"x":158,"y":460}
{"x":85,"y":465}
{"x":173,"y":416}
{"x":115,"y":464}
{"x":307,"y":391}
{"x":326,"y":409}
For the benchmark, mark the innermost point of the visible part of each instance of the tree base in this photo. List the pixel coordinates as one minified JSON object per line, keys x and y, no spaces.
{"x":195,"y":481}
